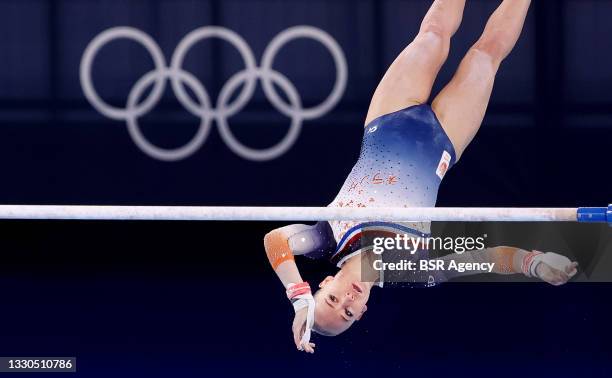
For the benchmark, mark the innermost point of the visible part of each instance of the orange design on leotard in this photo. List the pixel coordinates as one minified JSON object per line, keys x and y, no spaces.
{"x":504,"y":259}
{"x":277,"y":248}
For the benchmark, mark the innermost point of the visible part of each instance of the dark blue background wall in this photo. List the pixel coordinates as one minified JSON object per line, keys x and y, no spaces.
{"x":548,"y":126}
{"x":158,"y":299}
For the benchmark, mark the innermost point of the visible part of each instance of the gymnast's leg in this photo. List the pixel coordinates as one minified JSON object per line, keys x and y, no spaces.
{"x":462,"y":104}
{"x":411,"y":76}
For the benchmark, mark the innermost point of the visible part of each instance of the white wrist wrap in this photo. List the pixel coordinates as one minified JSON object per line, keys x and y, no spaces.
{"x":554,"y":260}
{"x":301,"y":297}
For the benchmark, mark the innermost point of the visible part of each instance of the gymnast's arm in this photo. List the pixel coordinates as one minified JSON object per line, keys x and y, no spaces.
{"x":280,"y":255}
{"x":549,"y":267}
{"x":286,"y":242}
{"x":281,"y":246}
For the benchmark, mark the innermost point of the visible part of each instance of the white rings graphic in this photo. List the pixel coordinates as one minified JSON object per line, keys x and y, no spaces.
{"x":201,"y":107}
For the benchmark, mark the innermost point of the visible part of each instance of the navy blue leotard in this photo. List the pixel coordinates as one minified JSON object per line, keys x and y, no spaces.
{"x":404,"y":157}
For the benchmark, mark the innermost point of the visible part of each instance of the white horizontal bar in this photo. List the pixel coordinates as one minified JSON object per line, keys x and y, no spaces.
{"x":203,"y":213}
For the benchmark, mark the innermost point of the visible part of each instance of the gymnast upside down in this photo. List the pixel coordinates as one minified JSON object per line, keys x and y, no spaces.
{"x":408,"y":146}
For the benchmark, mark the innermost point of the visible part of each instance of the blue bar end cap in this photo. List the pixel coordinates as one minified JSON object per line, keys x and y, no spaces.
{"x":595,"y":214}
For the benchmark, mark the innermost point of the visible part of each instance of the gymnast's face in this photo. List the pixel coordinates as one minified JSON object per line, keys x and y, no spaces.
{"x":339,"y":303}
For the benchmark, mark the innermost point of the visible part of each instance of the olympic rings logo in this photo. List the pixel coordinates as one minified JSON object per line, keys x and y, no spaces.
{"x":201,"y":108}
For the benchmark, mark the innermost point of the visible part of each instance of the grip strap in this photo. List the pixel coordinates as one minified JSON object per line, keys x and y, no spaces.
{"x":301,"y":297}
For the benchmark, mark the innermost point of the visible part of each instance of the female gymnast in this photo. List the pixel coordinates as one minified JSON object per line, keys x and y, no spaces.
{"x":408,"y":147}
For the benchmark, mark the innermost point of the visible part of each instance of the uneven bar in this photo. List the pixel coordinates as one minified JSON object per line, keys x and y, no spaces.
{"x":234,"y":213}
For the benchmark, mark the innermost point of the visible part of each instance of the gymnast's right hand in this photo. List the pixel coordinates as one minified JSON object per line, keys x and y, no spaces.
{"x":555,"y":275}
{"x":552,"y":267}
{"x":298,"y":328}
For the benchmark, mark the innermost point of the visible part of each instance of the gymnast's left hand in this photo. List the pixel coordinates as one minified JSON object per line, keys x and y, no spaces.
{"x":298,"y":328}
